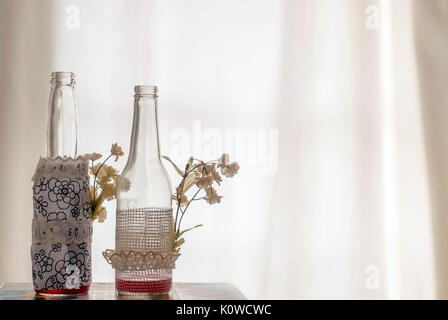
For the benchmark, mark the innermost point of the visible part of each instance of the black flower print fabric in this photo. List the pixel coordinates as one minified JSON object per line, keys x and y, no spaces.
{"x":40,"y":205}
{"x":87,"y":209}
{"x":75,"y":212}
{"x":61,"y":205}
{"x":65,"y":192}
{"x":40,"y":186}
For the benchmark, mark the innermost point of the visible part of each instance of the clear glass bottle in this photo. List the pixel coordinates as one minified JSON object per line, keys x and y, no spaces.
{"x":62,"y":137}
{"x":62,"y":122}
{"x":144,"y":219}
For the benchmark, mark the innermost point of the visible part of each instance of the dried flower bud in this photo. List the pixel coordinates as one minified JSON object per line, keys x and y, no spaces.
{"x":223,"y":160}
{"x":230,"y":170}
{"x":116,"y":151}
{"x":92,"y":156}
{"x":213,"y":198}
{"x":102,"y":215}
{"x":204,"y":182}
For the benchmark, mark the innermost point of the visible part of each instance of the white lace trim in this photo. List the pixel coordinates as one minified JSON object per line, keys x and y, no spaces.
{"x":138,"y":260}
{"x":52,"y":232}
{"x":62,"y":167}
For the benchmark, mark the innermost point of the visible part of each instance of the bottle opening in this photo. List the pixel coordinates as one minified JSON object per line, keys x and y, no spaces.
{"x":66,"y":78}
{"x":145,"y":90}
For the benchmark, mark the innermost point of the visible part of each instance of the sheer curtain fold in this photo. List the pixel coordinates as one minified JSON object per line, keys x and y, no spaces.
{"x":25,"y":58}
{"x":356,"y":206}
{"x":430,"y":29}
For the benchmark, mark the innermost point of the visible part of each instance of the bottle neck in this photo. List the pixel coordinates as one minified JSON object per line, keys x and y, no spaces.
{"x":145,"y":137}
{"x":62,"y":126}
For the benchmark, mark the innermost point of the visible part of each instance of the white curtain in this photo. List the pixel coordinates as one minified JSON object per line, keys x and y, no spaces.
{"x":335,"y":110}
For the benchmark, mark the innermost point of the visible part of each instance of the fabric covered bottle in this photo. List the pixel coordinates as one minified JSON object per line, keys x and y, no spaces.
{"x":61,"y":227}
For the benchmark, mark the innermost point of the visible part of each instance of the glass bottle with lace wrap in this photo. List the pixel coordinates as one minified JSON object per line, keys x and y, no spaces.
{"x":144,"y":219}
{"x":61,"y":226}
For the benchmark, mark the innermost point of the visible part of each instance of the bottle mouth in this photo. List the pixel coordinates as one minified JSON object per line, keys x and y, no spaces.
{"x":143,"y":90}
{"x":62,"y":78}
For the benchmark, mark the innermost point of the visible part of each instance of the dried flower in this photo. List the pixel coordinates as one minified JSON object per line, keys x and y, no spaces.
{"x":92,"y":156}
{"x":203,"y":175}
{"x":104,"y":172}
{"x":212,"y":197}
{"x":108,"y":190}
{"x":189,"y":181}
{"x":105,"y":180}
{"x":110,"y":171}
{"x":110,"y":174}
{"x":182,"y":196}
{"x":92,"y":195}
{"x":223,"y":160}
{"x":116,"y":151}
{"x":102,"y":215}
{"x":183,"y":200}
{"x":230,"y":170}
{"x":98,"y":170}
{"x":204,"y":182}
{"x":215,"y":176}
{"x":227,"y":169}
{"x":207,"y":169}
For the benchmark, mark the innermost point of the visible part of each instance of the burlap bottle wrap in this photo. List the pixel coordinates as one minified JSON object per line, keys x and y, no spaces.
{"x":62,"y":228}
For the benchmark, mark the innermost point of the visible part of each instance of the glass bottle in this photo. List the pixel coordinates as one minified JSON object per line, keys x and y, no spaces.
{"x":62,"y":122}
{"x":62,"y":126}
{"x":144,"y":219}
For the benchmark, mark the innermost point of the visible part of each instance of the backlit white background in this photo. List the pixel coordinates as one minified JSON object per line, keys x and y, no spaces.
{"x":340,"y":120}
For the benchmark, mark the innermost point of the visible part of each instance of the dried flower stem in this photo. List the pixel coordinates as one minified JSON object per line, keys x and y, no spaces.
{"x":203,"y":175}
{"x":105,"y":178}
{"x":183,"y":212}
{"x":178,"y":207}
{"x":96,"y":173}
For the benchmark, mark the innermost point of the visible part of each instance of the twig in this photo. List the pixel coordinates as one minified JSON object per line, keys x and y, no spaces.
{"x":96,"y":173}
{"x":183,"y":212}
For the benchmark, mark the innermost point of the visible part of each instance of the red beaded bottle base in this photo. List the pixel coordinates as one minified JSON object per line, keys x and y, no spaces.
{"x":143,"y":287}
{"x":81,"y":290}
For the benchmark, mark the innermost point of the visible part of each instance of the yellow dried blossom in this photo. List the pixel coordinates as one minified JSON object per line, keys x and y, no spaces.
{"x":92,"y":195}
{"x":102,"y":215}
{"x":92,"y":156}
{"x":116,"y":151}
{"x":108,"y":190}
{"x":105,"y":182}
{"x":183,"y":200}
{"x":99,"y":170}
{"x":109,"y":173}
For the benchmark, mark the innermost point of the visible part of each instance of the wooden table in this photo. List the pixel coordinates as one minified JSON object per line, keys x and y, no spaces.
{"x":106,"y":291}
